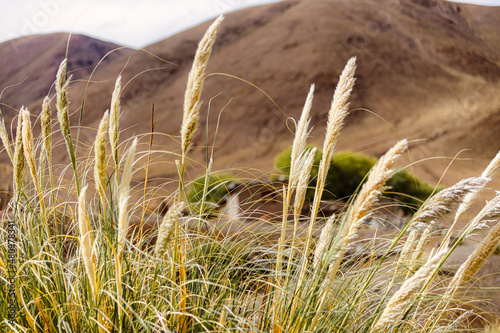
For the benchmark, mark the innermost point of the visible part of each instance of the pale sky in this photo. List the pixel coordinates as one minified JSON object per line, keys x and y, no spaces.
{"x":134,"y":23}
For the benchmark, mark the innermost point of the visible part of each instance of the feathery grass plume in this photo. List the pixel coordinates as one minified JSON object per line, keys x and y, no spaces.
{"x":475,"y":261}
{"x":488,"y":173}
{"x":123,"y":196}
{"x":324,"y":240}
{"x":374,"y":186}
{"x":167,"y":228}
{"x":420,"y":247}
{"x":29,"y":151}
{"x":100,"y":166}
{"x":19,"y":154}
{"x":114,"y":116}
{"x":368,"y":195}
{"x":62,"y":85}
{"x":86,"y":242}
{"x":195,"y":85}
{"x":404,"y":255}
{"x":338,"y":111}
{"x":305,"y":165}
{"x":408,"y":292}
{"x":45,"y":118}
{"x":443,"y":202}
{"x":300,"y":140}
{"x":5,"y":139}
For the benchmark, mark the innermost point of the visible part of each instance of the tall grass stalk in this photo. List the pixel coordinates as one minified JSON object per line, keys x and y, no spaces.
{"x":62,"y":86}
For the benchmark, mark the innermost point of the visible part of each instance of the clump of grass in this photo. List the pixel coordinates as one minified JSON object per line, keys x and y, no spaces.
{"x":95,"y":275}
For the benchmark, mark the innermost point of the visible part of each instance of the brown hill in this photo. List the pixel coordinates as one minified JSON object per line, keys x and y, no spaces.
{"x":28,"y":64}
{"x":428,"y":70}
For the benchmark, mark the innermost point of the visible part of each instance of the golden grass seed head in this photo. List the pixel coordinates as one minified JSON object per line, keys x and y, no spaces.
{"x":100,"y":166}
{"x":45,"y":119}
{"x":195,"y":85}
{"x":167,"y":228}
{"x":86,"y":246}
{"x":5,"y":139}
{"x":114,"y":116}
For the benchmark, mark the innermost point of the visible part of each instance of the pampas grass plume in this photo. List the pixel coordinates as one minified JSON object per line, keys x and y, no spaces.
{"x":62,"y":84}
{"x":45,"y":118}
{"x":167,"y":228}
{"x":86,"y":242}
{"x":400,"y":301}
{"x":19,"y":154}
{"x":195,"y":85}
{"x":300,"y":139}
{"x":114,"y":116}
{"x":324,"y":240}
{"x":123,"y":196}
{"x":476,"y":260}
{"x":305,"y":167}
{"x":5,"y":139}
{"x":29,"y":151}
{"x":100,"y":166}
{"x":444,"y":201}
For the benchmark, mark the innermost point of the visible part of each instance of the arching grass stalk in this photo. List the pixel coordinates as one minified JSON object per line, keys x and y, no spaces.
{"x":338,"y":111}
{"x":192,"y":103}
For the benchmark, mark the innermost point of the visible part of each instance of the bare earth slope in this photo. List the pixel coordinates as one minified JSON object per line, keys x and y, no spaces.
{"x":428,"y":70}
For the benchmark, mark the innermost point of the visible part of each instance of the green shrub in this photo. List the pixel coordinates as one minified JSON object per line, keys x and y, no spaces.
{"x":216,"y":191}
{"x":348,"y":171}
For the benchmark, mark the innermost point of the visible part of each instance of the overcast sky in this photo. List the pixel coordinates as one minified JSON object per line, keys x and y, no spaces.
{"x":133,"y":23}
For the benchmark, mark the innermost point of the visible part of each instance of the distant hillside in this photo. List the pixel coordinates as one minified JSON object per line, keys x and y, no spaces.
{"x":28,"y":64}
{"x":428,"y":70}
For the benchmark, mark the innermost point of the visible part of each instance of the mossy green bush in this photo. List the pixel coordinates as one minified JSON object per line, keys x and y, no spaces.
{"x":348,"y":171}
{"x":217,"y":188}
